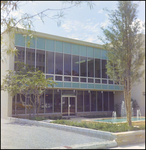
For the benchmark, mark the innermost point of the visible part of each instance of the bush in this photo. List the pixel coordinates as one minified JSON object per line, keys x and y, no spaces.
{"x":111,"y":127}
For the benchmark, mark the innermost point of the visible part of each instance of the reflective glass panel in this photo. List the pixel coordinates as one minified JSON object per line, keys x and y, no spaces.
{"x":50,"y":62}
{"x":83,"y":66}
{"x":86,"y":101}
{"x":67,"y":64}
{"x":80,"y":101}
{"x":59,"y":63}
{"x":83,"y":79}
{"x":75,"y":65}
{"x":40,"y":60}
{"x":67,"y":79}
{"x":57,"y":101}
{"x":90,"y":67}
{"x":58,"y":78}
{"x":105,"y":99}
{"x":74,"y":79}
{"x":104,"y":75}
{"x":111,"y":101}
{"x":48,"y":101}
{"x":97,"y":68}
{"x":20,"y":56}
{"x":30,"y":57}
{"x":97,"y":80}
{"x":90,"y":80}
{"x":93,"y":100}
{"x":99,"y":100}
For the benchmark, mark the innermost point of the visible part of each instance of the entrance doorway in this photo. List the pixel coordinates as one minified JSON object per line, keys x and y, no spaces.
{"x":68,"y":105}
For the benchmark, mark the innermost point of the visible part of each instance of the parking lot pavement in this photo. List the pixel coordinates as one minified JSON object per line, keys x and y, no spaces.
{"x":24,"y":136}
{"x":136,"y":146}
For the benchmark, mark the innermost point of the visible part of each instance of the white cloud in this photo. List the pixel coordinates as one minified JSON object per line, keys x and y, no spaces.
{"x":105,"y":23}
{"x":100,"y":11}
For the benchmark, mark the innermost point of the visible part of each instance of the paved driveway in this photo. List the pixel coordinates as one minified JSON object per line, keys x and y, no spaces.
{"x":24,"y":136}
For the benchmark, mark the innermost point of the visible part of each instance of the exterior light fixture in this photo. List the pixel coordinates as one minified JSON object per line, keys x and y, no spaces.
{"x":57,"y":90}
{"x":114,"y":92}
{"x":88,"y":91}
{"x":101,"y":91}
{"x":73,"y":90}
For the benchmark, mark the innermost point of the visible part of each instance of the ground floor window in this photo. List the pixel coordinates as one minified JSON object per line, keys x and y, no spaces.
{"x":51,"y":101}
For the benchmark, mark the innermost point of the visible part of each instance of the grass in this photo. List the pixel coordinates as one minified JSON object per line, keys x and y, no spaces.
{"x":111,"y":127}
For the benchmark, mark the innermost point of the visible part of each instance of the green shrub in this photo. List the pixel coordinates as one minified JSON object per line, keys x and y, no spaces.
{"x":111,"y":127}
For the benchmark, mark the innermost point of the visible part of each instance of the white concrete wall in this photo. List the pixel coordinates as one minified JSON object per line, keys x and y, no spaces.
{"x":138,"y":91}
{"x":8,"y":64}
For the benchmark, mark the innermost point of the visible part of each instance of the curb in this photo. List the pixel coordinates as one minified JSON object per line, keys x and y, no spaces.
{"x":85,"y":131}
{"x":96,"y":145}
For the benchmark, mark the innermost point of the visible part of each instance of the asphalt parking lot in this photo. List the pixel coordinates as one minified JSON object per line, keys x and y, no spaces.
{"x":24,"y":136}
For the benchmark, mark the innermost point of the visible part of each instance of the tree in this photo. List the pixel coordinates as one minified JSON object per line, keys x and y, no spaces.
{"x":9,"y":21}
{"x":26,"y":81}
{"x":125,"y":54}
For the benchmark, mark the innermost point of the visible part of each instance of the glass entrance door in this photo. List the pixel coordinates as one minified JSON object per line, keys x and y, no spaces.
{"x":68,"y":106}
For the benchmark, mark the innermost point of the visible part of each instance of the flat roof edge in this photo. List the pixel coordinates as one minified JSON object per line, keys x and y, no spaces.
{"x":59,"y":38}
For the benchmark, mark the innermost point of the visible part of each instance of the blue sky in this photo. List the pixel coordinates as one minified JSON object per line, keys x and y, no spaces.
{"x":80,"y":22}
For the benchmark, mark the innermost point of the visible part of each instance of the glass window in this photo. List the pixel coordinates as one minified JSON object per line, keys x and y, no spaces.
{"x":40,"y":60}
{"x":110,"y":81}
{"x":97,"y":80}
{"x":67,"y":79}
{"x":48,"y":101}
{"x":58,"y":78}
{"x":93,"y":100}
{"x":57,"y":101}
{"x":74,"y":79}
{"x":67,"y":64}
{"x":111,"y":101}
{"x":86,"y":101}
{"x":50,"y":62}
{"x":83,"y":66}
{"x":90,"y":80}
{"x":105,"y":99}
{"x":104,"y":75}
{"x":90,"y":67}
{"x":99,"y":100}
{"x":80,"y":101}
{"x":83,"y":79}
{"x":50,"y":76}
{"x":59,"y":63}
{"x":97,"y":68}
{"x":68,"y":92}
{"x":75,"y":65}
{"x":20,"y":56}
{"x":30,"y":57}
{"x":104,"y":81}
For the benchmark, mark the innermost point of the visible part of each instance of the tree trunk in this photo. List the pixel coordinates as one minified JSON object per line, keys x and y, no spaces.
{"x":127,"y":97}
{"x":38,"y":105}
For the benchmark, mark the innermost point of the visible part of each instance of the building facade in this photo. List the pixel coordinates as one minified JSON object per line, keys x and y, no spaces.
{"x":78,"y":68}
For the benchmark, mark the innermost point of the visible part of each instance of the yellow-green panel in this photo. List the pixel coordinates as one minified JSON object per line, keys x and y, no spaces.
{"x":83,"y":51}
{"x":67,"y":84}
{"x":103,"y":54}
{"x":50,"y":45}
{"x":104,"y":87}
{"x":91,"y":86}
{"x":59,"y":84}
{"x":90,"y":52}
{"x":67,"y":48}
{"x":75,"y":49}
{"x":40,"y":43}
{"x":97,"y":53}
{"x":30,"y":42}
{"x":59,"y":46}
{"x":19,"y":40}
{"x":75,"y":85}
{"x":97,"y":86}
{"x":83,"y":85}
